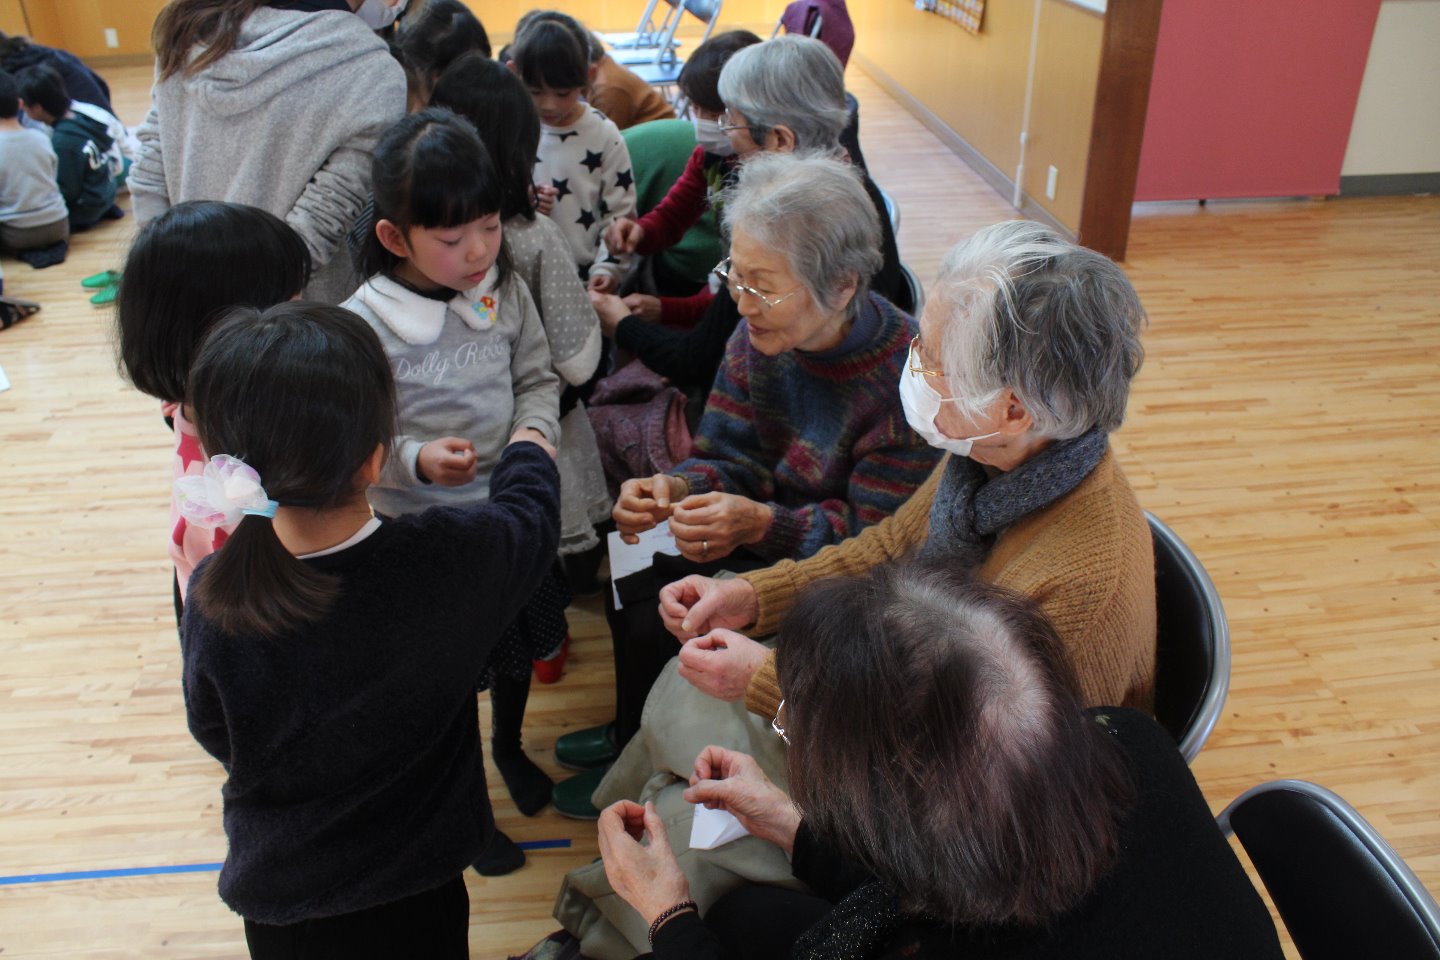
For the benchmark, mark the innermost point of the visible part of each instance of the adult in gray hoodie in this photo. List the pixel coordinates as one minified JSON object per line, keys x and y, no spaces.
{"x":274,"y":105}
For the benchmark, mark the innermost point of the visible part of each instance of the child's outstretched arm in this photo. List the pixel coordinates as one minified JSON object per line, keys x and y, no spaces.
{"x":532,"y":378}
{"x":617,"y":199}
{"x":517,"y":532}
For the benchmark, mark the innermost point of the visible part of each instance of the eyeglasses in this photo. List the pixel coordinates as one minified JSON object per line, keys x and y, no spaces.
{"x":722,"y":270}
{"x":916,"y":367}
{"x":727,"y":123}
{"x":778,"y":724}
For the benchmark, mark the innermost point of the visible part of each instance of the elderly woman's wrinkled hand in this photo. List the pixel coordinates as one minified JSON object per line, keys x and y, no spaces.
{"x":709,"y":526}
{"x":696,"y":605}
{"x":721,"y":663}
{"x":645,"y":502}
{"x":732,"y":781}
{"x":646,"y":876}
{"x":610,"y":309}
{"x":644,"y":306}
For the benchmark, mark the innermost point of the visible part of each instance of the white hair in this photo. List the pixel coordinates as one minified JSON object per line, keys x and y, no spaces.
{"x":1057,"y":323}
{"x":790,"y":81}
{"x":813,"y":211}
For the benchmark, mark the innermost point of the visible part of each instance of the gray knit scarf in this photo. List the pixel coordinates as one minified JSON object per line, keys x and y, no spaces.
{"x":971,"y":508}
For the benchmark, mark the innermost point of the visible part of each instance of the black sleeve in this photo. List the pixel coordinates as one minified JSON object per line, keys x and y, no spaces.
{"x":822,"y":869}
{"x":685,"y":937}
{"x":890,"y":282}
{"x":509,"y":541}
{"x":687,"y":358}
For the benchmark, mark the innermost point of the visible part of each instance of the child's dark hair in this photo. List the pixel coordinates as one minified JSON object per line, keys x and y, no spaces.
{"x":9,"y":97}
{"x":550,"y":53}
{"x":431,"y":170}
{"x":184,"y":270}
{"x":303,"y":394}
{"x":496,"y":102}
{"x":594,"y":49}
{"x":699,"y":79}
{"x":442,"y":32}
{"x":43,"y":86}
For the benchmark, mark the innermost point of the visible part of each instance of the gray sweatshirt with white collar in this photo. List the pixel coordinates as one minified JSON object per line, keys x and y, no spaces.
{"x":477,"y":367}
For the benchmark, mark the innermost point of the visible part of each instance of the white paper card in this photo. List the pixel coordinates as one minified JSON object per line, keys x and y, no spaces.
{"x":4,"y":381}
{"x":711,"y":828}
{"x":628,"y":558}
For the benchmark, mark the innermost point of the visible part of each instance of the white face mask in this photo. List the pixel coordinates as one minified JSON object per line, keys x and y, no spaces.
{"x":378,"y":14}
{"x":709,"y":135}
{"x":921,"y":403}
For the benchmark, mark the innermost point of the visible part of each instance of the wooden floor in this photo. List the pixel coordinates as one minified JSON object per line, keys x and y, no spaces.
{"x":1285,"y":424}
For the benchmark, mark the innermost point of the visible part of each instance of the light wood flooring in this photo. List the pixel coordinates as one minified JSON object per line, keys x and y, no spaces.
{"x":1285,"y":424}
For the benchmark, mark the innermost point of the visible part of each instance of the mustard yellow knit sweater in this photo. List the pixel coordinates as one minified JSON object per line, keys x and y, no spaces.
{"x":1087,"y":559}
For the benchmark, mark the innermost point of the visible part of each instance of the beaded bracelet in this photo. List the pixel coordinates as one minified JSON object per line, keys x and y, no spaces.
{"x":669,"y":912}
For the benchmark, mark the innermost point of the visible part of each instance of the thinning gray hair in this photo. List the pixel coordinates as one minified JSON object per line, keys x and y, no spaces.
{"x":790,"y":81}
{"x":1054,"y":321}
{"x":812,"y":210}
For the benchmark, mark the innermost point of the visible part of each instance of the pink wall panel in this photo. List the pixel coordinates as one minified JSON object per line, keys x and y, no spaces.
{"x":1253,"y":98}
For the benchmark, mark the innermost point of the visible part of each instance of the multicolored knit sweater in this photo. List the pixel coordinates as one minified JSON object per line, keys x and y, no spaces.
{"x":819,"y":437}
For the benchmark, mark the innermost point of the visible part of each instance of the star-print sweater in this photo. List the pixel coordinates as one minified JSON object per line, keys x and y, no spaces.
{"x":476,"y":366}
{"x":589,"y":167}
{"x":820,"y":437}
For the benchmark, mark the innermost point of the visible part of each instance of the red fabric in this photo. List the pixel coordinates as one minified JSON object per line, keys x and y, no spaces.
{"x":682,"y":313}
{"x":684,"y":203}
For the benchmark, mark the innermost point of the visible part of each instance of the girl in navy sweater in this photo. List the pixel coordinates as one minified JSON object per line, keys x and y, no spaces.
{"x":330,"y":658}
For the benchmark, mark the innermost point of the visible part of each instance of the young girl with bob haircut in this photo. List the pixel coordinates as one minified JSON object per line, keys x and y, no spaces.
{"x":330,"y":657}
{"x":582,"y":156}
{"x":184,"y":270}
{"x":471,"y":368}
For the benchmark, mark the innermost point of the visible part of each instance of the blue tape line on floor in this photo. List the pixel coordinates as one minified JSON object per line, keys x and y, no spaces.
{"x":191,"y":868}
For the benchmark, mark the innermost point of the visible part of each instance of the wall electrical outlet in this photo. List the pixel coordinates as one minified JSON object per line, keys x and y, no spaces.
{"x":112,"y":38}
{"x":1050,"y":182}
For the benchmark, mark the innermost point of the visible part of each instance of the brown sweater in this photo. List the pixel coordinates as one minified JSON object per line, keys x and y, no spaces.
{"x":1087,"y":559}
{"x":623,"y":97}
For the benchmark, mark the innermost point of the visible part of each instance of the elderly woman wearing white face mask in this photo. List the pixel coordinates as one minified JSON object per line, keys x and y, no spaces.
{"x":273,"y":104}
{"x":1023,"y":367}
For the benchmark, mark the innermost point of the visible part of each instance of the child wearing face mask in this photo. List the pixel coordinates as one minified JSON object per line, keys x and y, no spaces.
{"x":709,"y":170}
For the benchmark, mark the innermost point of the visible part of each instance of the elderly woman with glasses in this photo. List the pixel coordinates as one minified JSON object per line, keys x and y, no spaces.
{"x":786,"y":95}
{"x":974,"y":808}
{"x":803,"y":442}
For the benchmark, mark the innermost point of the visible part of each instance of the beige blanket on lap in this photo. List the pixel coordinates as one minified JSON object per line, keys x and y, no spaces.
{"x":679,"y":721}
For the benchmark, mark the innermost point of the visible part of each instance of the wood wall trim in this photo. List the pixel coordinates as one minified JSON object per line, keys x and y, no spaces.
{"x":1122,"y":93}
{"x":998,"y":180}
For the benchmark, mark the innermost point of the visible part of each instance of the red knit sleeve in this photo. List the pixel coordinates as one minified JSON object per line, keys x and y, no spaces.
{"x":682,"y":313}
{"x":685,"y":203}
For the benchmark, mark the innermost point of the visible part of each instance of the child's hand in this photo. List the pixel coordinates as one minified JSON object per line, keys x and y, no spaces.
{"x":545,"y":198}
{"x":624,"y":235}
{"x":601,"y":283}
{"x":610,"y":309}
{"x":531,"y":435}
{"x":644,"y":306}
{"x":449,"y":461}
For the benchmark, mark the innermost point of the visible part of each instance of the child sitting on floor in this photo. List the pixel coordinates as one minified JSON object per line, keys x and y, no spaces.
{"x":82,"y":145}
{"x":33,"y":216}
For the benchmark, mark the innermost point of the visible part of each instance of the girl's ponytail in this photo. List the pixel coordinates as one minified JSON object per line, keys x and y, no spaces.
{"x":291,"y":403}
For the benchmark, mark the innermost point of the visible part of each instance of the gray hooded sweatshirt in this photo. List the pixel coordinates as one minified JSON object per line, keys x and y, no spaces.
{"x":287,"y":122}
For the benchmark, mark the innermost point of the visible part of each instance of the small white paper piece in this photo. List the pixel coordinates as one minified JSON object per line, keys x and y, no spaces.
{"x":4,"y":381}
{"x":628,"y":558}
{"x":712,"y":828}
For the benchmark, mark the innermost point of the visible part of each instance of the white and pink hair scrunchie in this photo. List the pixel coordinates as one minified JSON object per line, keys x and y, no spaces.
{"x":227,"y":491}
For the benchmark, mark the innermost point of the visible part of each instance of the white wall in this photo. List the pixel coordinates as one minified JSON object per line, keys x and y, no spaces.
{"x":1397,"y":121}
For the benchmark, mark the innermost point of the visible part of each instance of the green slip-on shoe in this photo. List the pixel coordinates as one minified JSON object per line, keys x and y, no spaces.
{"x":571,"y":798}
{"x":587,"y":749}
{"x":106,"y":296}
{"x":105,"y":278}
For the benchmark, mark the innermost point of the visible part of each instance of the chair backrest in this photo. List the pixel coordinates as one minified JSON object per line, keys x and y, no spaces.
{"x":1342,"y":891}
{"x":917,"y":290}
{"x":1192,"y":655}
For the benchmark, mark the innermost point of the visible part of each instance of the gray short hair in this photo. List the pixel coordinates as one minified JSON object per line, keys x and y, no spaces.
{"x":814,"y":211}
{"x":792,"y":81}
{"x":1054,"y":321}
